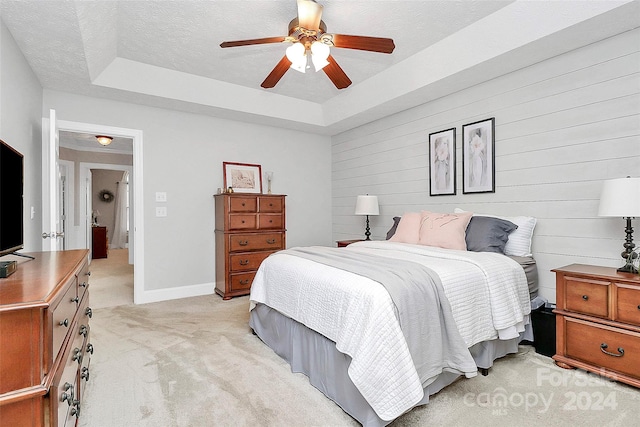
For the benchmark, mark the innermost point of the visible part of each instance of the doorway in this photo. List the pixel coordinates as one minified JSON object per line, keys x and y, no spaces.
{"x":50,"y":156}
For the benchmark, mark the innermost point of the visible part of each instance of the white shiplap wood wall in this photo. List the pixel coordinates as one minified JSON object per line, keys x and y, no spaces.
{"x":562,"y":127}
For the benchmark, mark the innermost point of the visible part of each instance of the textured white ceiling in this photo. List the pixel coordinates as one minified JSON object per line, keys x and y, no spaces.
{"x":129,"y":50}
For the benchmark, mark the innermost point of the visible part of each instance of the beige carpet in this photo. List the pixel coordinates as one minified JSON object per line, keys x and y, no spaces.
{"x":195,"y":362}
{"x":112,"y":280}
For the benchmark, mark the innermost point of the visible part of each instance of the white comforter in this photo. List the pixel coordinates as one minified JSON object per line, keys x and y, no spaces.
{"x":488,"y":295}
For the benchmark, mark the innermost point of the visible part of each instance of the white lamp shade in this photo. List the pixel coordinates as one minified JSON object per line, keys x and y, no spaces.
{"x":296,"y":54}
{"x":620,"y":197}
{"x":319,"y":54}
{"x":367,"y":205}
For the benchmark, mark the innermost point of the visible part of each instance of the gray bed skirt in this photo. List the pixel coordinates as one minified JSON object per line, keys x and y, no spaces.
{"x":316,"y":356}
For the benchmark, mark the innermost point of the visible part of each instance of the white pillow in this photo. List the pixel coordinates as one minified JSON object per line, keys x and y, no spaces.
{"x":519,"y":243}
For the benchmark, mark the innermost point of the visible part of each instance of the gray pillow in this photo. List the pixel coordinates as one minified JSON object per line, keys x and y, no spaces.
{"x":392,"y":230}
{"x":486,"y":234}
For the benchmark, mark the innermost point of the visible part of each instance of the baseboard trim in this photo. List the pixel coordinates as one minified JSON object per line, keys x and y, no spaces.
{"x":157,"y":295}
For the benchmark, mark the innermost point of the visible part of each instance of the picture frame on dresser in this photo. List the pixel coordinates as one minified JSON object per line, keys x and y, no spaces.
{"x":242,"y":177}
{"x":442,"y":163}
{"x":478,"y":157}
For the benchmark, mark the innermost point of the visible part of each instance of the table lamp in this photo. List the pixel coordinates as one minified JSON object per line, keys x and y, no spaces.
{"x":367,"y":205}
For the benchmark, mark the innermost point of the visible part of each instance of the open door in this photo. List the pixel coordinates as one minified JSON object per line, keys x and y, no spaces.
{"x":52,"y":233}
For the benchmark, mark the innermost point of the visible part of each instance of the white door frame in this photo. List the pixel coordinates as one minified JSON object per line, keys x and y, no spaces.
{"x":137,"y":231}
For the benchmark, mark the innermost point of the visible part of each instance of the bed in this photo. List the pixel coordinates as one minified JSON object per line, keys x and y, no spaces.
{"x":379,"y":326}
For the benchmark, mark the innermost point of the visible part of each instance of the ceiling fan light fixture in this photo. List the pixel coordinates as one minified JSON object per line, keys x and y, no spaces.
{"x":297,"y":55}
{"x":104,"y":140}
{"x":319,"y":54}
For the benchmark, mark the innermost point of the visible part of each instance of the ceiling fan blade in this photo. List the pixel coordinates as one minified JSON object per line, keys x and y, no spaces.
{"x":336,"y":74}
{"x":253,"y":41}
{"x":372,"y":44}
{"x":276,"y":74}
{"x":309,"y":14}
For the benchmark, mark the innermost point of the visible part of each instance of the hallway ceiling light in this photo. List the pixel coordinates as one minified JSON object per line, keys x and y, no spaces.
{"x":104,"y":140}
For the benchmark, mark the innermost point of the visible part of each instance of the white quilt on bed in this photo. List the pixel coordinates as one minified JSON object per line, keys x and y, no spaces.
{"x":488,"y":295}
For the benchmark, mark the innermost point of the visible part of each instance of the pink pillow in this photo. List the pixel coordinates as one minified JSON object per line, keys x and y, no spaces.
{"x":408,"y":230}
{"x":444,"y":230}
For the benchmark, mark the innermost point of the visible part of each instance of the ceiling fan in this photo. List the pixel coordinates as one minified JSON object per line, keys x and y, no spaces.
{"x":311,"y":43}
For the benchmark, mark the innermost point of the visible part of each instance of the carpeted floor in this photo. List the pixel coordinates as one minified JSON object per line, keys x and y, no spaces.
{"x":112,"y":280}
{"x":195,"y":362}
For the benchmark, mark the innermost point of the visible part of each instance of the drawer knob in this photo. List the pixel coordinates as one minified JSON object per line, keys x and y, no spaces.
{"x":585,"y":297}
{"x":75,"y":410}
{"x":243,"y":221}
{"x":64,"y":323}
{"x":604,"y":346}
{"x":67,"y":397}
{"x":270,"y":221}
{"x":242,"y":203}
{"x":270,"y":204}
{"x":77,"y":355}
{"x":244,"y":262}
{"x":85,"y":374}
{"x":243,"y":242}
{"x":271,"y":241}
{"x":88,"y":273}
{"x":89,"y":312}
{"x":83,"y":330}
{"x":244,"y":282}
{"x":76,"y":300}
{"x":638,"y":306}
{"x":90,"y":348}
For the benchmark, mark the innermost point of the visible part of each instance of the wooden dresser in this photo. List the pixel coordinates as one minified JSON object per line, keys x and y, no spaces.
{"x":598,"y":321}
{"x":249,"y":228}
{"x":99,"y":242}
{"x":44,"y":340}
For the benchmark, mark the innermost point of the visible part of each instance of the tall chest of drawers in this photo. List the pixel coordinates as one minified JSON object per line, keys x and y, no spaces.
{"x":45,"y":340}
{"x":598,"y":321}
{"x":249,"y":228}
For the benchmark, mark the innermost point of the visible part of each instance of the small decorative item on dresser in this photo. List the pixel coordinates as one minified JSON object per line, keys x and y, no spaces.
{"x":367,"y":205}
{"x":598,"y":321}
{"x":242,"y":177}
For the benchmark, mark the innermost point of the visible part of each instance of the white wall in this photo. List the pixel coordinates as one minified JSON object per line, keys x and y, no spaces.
{"x":562,"y":127}
{"x":20,"y":127}
{"x":183,"y":155}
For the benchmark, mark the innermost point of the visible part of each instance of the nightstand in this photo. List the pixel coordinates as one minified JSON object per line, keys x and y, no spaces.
{"x":343,"y":243}
{"x":598,"y":321}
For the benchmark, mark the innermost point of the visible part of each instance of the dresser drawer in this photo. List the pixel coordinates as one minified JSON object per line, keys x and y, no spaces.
{"x":627,"y":308}
{"x":271,"y":221}
{"x":243,"y":222}
{"x":587,"y":296}
{"x":611,"y":348}
{"x":62,"y":318}
{"x":243,"y":204}
{"x":270,"y":204}
{"x":242,"y":281}
{"x":247,"y":261}
{"x":252,"y":242}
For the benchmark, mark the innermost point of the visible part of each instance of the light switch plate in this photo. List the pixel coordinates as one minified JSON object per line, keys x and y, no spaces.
{"x":161,"y":196}
{"x":161,"y":211}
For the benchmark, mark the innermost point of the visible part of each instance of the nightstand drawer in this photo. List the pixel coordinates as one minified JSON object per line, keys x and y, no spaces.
{"x":587,"y":296}
{"x":247,"y":261}
{"x":604,"y":346}
{"x":627,"y":307}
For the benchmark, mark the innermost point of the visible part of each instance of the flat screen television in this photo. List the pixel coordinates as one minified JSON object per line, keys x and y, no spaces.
{"x":11,"y":204}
